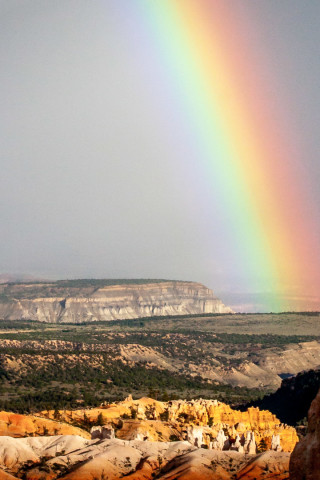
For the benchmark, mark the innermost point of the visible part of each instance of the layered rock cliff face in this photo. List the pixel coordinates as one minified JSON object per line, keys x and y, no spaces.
{"x":111,"y":302}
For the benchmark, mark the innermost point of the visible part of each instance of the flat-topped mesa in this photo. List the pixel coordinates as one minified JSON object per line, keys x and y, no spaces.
{"x":56,"y":303}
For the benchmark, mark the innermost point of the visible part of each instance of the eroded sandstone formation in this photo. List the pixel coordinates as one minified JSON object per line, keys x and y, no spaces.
{"x":305,"y":459}
{"x":208,"y":423}
{"x":16,"y":425}
{"x":111,"y":302}
{"x":76,"y":458}
{"x":145,"y":439}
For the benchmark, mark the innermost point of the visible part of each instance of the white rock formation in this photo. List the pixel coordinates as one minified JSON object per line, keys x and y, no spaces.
{"x":195,"y":435}
{"x":221,"y":442}
{"x":250,"y":443}
{"x":102,"y":432}
{"x":275,"y":443}
{"x":75,"y":458}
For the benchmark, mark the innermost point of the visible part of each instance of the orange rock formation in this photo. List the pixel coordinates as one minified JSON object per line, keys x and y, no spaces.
{"x":16,"y":425}
{"x":175,"y":416}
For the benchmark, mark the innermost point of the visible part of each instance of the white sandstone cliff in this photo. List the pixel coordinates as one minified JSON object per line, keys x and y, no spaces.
{"x":113,"y":302}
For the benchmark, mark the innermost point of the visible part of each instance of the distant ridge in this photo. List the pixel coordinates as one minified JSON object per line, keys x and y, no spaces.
{"x":18,"y":278}
{"x":100,"y":282}
{"x":81,"y":282}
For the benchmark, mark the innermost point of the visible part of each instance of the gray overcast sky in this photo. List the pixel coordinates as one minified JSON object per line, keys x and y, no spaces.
{"x":97,"y":180}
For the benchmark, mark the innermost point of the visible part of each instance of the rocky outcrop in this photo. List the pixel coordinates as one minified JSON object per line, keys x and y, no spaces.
{"x":75,"y":458}
{"x":145,"y":439}
{"x":102,"y":432}
{"x":305,"y":459}
{"x":16,"y":425}
{"x":208,"y":423}
{"x":252,"y":425}
{"x":111,"y":302}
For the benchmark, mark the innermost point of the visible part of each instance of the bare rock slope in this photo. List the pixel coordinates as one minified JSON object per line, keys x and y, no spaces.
{"x":16,"y":425}
{"x":69,"y":302}
{"x":75,"y":458}
{"x":305,"y":459}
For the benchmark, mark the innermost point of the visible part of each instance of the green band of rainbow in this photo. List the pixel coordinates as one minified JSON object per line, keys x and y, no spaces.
{"x":242,"y":150}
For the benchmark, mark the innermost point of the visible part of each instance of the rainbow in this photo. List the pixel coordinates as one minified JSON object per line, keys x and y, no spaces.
{"x":245,"y":148}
